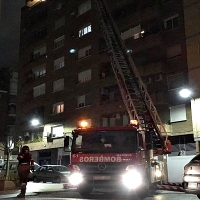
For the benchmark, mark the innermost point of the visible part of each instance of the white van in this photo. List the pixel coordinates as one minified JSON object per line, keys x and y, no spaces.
{"x":13,"y":174}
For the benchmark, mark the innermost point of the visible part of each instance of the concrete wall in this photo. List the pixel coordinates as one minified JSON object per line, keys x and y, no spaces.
{"x":175,"y":167}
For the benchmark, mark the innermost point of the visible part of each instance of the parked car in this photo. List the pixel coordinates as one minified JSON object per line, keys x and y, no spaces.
{"x":191,"y":177}
{"x":51,"y":173}
{"x":13,"y":174}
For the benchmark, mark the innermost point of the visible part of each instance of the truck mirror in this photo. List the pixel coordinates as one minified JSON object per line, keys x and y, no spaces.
{"x":66,"y":142}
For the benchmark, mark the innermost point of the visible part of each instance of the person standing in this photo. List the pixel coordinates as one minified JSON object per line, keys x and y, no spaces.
{"x":26,"y":163}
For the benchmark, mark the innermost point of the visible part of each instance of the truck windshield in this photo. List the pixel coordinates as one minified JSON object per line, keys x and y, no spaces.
{"x":105,"y":142}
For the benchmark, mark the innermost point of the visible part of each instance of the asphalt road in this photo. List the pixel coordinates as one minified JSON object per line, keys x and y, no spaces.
{"x":49,"y":191}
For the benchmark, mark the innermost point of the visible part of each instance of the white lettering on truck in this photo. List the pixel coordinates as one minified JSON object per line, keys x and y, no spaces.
{"x":100,"y":159}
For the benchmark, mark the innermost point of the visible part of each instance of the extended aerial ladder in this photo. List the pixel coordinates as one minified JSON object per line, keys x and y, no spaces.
{"x":137,"y":101}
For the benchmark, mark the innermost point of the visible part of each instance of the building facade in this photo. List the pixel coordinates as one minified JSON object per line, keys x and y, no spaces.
{"x":65,"y":74}
{"x":8,"y":93}
{"x":192,"y":29}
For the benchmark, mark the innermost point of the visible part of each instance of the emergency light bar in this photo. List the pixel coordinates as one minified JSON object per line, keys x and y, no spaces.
{"x":83,"y":124}
{"x":134,"y":122}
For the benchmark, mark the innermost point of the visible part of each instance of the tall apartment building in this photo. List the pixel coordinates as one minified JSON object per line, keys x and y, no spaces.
{"x":65,"y":74}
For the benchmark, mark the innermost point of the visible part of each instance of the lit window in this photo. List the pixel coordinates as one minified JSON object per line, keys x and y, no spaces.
{"x":84,"y":100}
{"x":57,"y":131}
{"x":39,"y":90}
{"x":39,"y":71}
{"x":84,"y":7}
{"x":59,"y":63}
{"x":58,"y":108}
{"x":171,"y":22}
{"x":59,"y":42}
{"x":178,"y":113}
{"x":84,"y":52}
{"x":85,"y":30}
{"x":84,"y":76}
{"x":58,"y":85}
{"x":135,"y":32}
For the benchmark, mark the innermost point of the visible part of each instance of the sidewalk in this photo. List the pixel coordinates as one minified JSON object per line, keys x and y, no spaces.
{"x":13,"y":193}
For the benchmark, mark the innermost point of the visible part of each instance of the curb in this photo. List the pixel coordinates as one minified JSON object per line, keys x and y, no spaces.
{"x":169,"y":187}
{"x":174,"y":184}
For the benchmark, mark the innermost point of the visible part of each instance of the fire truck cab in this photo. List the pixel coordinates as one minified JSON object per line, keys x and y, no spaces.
{"x":111,"y":157}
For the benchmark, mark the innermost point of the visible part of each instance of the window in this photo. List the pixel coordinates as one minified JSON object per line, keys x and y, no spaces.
{"x":59,"y":42}
{"x":57,"y":131}
{"x":178,"y":113}
{"x":59,"y":22}
{"x":84,"y":100}
{"x":175,"y":81}
{"x":58,"y":108}
{"x":59,"y":63}
{"x":84,"y":52}
{"x":39,"y":52}
{"x":84,"y":76}
{"x":174,"y":51}
{"x":40,"y":33}
{"x":85,"y":30}
{"x":110,"y":93}
{"x":39,"y":71}
{"x":58,"y":85}
{"x":135,"y":32}
{"x":171,"y":22}
{"x":84,"y":7}
{"x":39,"y":90}
{"x":105,"y":70}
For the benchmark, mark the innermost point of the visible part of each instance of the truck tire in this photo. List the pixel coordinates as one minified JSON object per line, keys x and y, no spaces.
{"x":85,"y":191}
{"x":144,"y":192}
{"x":198,"y":196}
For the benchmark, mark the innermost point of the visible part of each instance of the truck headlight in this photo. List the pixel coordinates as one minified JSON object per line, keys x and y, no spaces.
{"x":75,"y":179}
{"x":158,"y":173}
{"x":132,"y":179}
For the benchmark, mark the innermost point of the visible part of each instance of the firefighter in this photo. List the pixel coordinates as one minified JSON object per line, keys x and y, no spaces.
{"x":26,"y":163}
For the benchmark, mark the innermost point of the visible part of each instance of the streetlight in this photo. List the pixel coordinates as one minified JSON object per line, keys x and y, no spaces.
{"x":185,"y":93}
{"x":35,"y":122}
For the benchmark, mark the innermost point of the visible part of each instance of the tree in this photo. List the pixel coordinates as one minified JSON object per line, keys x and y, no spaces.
{"x":7,"y":145}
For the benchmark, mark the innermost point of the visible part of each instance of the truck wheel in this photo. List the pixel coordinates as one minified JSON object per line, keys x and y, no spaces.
{"x":144,"y":190}
{"x":85,"y":191}
{"x":198,"y":196}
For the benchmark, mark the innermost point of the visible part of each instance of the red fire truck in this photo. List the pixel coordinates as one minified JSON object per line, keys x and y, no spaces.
{"x":112,"y":157}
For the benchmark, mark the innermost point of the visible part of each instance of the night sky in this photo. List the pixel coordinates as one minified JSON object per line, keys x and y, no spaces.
{"x":10,"y":32}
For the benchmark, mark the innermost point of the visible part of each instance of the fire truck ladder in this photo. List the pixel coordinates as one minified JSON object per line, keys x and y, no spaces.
{"x":134,"y":93}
